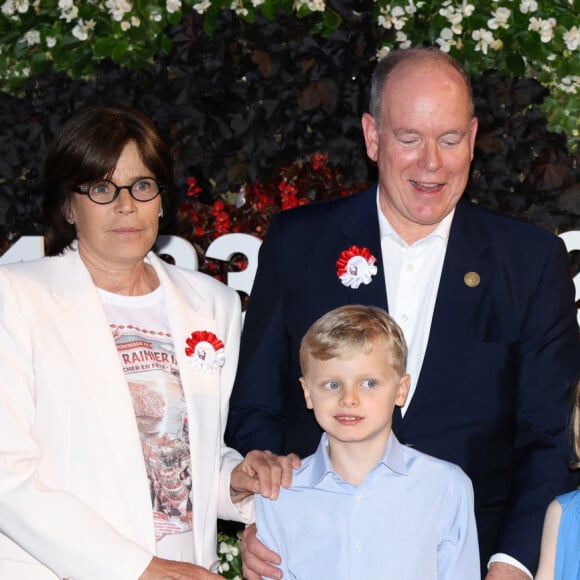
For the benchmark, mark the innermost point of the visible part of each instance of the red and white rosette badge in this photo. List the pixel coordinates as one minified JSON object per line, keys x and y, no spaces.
{"x":356,"y":266}
{"x":205,"y":351}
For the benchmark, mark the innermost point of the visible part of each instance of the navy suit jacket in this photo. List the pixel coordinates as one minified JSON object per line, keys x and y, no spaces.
{"x":493,"y":392}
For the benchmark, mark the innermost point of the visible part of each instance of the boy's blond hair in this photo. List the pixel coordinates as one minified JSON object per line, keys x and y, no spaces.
{"x":354,"y":328}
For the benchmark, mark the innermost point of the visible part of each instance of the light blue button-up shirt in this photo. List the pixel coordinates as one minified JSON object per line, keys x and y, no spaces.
{"x":411,"y":519}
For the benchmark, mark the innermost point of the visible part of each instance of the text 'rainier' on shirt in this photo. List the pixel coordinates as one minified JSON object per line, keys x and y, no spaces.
{"x":141,"y":332}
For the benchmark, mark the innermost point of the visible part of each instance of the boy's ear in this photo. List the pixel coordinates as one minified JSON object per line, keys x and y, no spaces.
{"x":403,"y":390}
{"x":306,"y":393}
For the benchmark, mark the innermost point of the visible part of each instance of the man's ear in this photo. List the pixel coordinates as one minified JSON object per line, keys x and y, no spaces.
{"x":371,"y":134}
{"x":403,"y":390}
{"x":306,"y":393}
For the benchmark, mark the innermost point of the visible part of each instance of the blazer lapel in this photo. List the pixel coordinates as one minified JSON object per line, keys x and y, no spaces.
{"x":360,"y":227}
{"x":83,"y":326}
{"x":188,"y":312}
{"x":466,"y":276}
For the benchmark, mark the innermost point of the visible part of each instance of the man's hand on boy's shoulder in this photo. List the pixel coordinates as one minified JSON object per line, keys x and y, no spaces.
{"x":502,"y":571}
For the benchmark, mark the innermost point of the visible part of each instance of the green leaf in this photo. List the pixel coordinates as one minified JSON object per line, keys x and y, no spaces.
{"x":515,"y":64}
{"x":331,"y":21}
{"x":120,"y":48}
{"x":104,"y":47}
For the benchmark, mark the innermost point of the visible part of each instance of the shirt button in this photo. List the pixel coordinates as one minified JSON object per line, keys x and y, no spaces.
{"x":410,"y":267}
{"x":358,"y":495}
{"x":404,"y":318}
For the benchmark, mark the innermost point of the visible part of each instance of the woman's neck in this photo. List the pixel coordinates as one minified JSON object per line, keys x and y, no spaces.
{"x":132,"y":280}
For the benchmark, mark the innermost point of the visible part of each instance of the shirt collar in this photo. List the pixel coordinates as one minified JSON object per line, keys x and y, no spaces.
{"x":393,"y":459}
{"x":441,"y":231}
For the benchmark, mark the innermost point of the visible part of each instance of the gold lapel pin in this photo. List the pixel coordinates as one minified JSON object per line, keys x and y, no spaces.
{"x":472,"y":279}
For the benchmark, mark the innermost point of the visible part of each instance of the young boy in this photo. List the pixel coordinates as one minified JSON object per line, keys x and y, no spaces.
{"x":363,"y":506}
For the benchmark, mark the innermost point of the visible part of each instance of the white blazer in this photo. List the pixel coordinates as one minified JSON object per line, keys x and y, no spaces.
{"x":74,"y":493}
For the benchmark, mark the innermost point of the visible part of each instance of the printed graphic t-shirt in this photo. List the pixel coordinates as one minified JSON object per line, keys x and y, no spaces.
{"x":140,"y":329}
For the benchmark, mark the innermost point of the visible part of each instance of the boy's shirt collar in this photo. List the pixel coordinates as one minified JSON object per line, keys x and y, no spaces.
{"x":320,"y":467}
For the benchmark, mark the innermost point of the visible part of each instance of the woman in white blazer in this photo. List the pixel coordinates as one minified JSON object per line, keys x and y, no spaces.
{"x":116,"y":370}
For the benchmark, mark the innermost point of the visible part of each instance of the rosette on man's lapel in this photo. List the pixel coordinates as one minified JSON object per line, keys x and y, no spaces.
{"x":356,"y":266}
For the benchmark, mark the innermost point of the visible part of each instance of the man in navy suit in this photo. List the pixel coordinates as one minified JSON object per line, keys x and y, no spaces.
{"x":486,"y":304}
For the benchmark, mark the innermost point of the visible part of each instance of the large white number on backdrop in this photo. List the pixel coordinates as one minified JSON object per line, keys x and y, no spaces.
{"x":223,"y":248}
{"x":184,"y":254}
{"x":572,"y":241}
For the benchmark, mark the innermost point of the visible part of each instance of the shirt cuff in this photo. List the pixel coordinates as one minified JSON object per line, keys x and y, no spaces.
{"x":504,"y":558}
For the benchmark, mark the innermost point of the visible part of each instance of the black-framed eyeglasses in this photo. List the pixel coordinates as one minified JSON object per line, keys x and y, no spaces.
{"x":105,"y":191}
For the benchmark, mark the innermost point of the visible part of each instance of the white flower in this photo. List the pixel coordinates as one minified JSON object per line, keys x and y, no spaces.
{"x":572,"y":38}
{"x":21,"y":6}
{"x":256,"y":3}
{"x":399,"y":19}
{"x":410,"y":9}
{"x":125,"y":26}
{"x":135,"y":21}
{"x":383,"y":51}
{"x":500,"y":18}
{"x":224,"y":567}
{"x":238,"y":8}
{"x":82,"y":28}
{"x":483,"y":39}
{"x":570,"y":85}
{"x":50,"y":41}
{"x":202,"y":7}
{"x":467,"y":9}
{"x":173,"y":6}
{"x":312,"y":5}
{"x":445,"y":40}
{"x":394,"y":18}
{"x":118,"y":8}
{"x":68,"y":11}
{"x":402,"y":39}
{"x":32,"y":37}
{"x":316,"y":5}
{"x":545,"y":28}
{"x":528,"y":6}
{"x":156,"y":16}
{"x":8,"y":8}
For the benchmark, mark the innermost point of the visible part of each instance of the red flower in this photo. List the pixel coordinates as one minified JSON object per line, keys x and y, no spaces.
{"x":218,"y":206}
{"x":192,"y":187}
{"x":319,"y":160}
{"x":289,"y":201}
{"x":287,"y":188}
{"x":222,"y":222}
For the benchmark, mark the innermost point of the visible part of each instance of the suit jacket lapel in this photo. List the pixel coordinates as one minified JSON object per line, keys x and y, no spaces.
{"x":457,"y":303}
{"x":188,"y":312}
{"x":360,"y":227}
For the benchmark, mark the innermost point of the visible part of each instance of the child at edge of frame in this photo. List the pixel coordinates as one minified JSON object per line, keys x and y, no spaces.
{"x":559,"y":553}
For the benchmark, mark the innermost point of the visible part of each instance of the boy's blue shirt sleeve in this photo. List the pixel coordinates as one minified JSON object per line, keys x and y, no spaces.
{"x":458,"y":543}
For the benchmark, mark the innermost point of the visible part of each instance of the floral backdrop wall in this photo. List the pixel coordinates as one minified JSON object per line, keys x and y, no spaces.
{"x":246,"y":96}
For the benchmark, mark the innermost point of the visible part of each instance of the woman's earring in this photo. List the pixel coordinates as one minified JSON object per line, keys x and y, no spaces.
{"x":161,"y":212}
{"x":70,"y":220}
